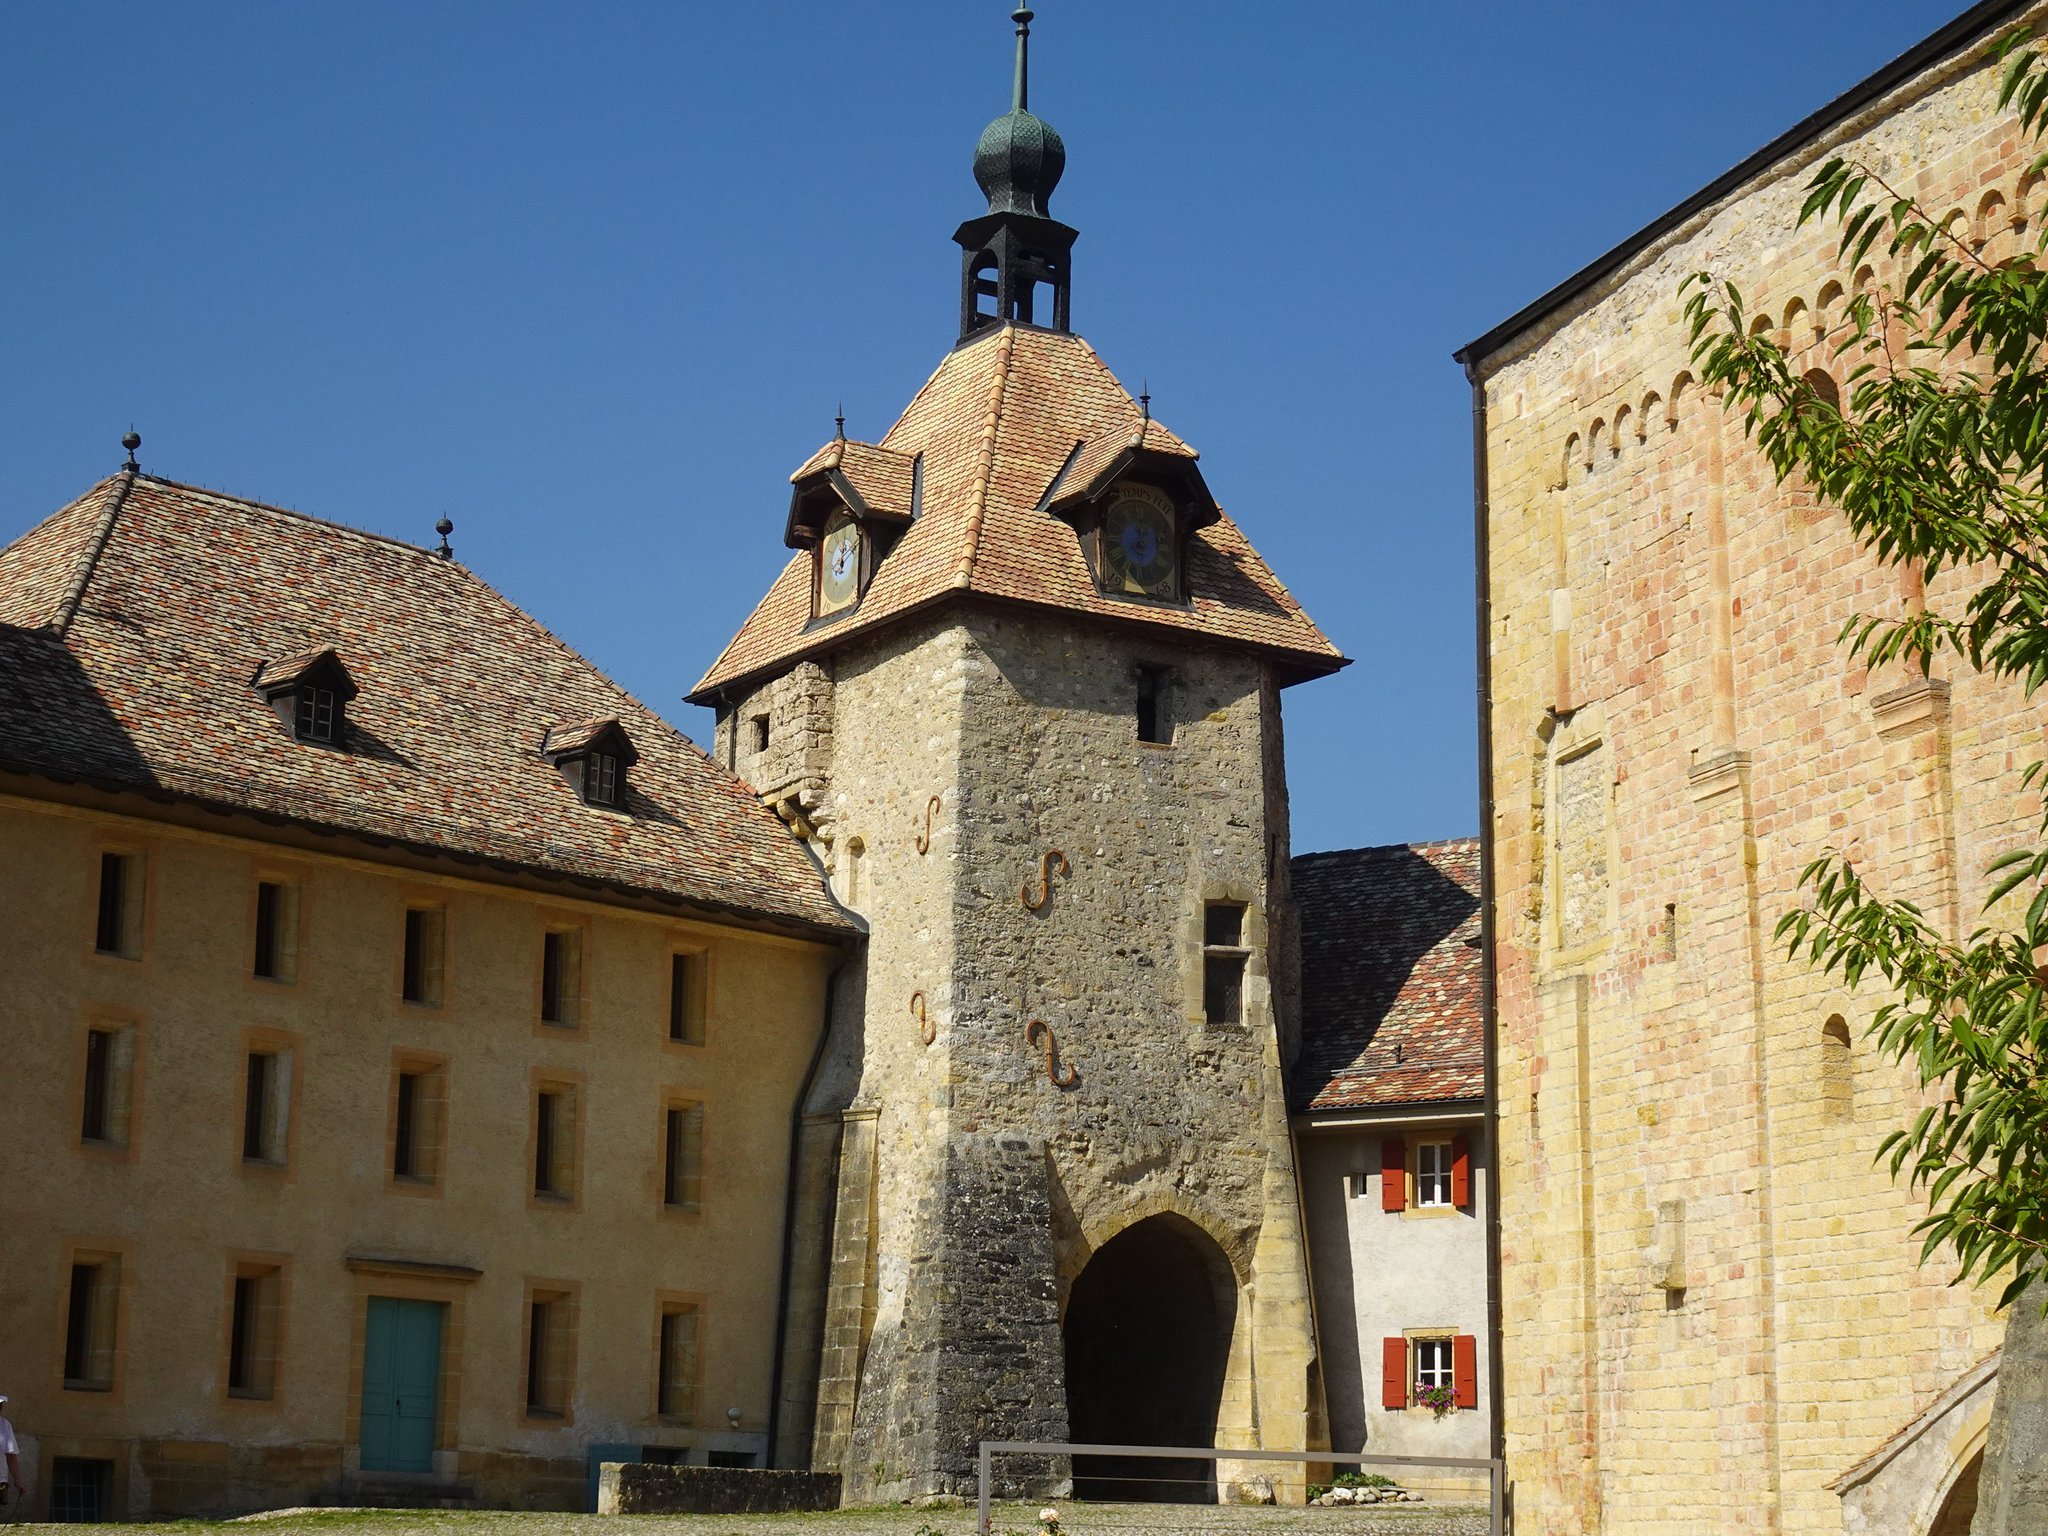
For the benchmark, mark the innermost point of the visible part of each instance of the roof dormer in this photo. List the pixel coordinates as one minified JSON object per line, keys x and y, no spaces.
{"x":849,"y":504}
{"x":1133,"y":497}
{"x":592,"y":757}
{"x":310,"y":694}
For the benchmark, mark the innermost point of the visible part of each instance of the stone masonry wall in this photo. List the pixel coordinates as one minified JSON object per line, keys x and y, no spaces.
{"x":1712,"y":1302}
{"x":1023,"y":728}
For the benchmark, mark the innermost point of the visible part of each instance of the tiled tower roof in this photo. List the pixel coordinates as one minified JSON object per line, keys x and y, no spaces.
{"x":1390,"y":972}
{"x":136,"y":622}
{"x":994,"y":427}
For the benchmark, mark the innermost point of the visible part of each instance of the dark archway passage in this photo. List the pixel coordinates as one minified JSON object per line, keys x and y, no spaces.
{"x":1960,"y":1507}
{"x":1147,"y":1337}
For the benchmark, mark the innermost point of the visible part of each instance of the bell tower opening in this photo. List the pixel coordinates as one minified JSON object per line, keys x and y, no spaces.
{"x":1147,"y":1344}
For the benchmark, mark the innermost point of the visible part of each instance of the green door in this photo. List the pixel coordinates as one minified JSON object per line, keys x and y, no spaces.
{"x":401,"y":1373}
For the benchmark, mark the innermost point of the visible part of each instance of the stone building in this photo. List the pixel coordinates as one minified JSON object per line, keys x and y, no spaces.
{"x":1019,"y":686}
{"x":1390,"y":1118}
{"x":1707,"y":1286}
{"x":404,"y":1027}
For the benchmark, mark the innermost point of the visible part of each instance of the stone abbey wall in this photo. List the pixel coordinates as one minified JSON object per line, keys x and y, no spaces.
{"x":1712,"y":1305}
{"x":981,"y":1168}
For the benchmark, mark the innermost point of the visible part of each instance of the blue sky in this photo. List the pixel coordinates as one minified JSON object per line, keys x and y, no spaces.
{"x":590,"y":279}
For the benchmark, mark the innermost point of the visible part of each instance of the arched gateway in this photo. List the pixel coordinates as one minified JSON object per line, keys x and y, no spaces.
{"x":1147,"y":1344}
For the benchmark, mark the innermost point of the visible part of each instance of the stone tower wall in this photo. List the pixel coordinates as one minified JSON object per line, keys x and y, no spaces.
{"x":1713,"y":1309}
{"x":978,"y":1185}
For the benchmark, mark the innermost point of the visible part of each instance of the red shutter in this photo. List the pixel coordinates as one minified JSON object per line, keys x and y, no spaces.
{"x":1465,"y":1370}
{"x":1393,"y":1373}
{"x":1461,"y":1172}
{"x":1393,"y":1175}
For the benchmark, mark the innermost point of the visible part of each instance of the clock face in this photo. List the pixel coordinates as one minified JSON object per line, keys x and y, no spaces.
{"x":839,"y":566}
{"x":1138,"y":549}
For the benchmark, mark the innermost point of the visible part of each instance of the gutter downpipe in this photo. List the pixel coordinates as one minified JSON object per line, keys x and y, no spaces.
{"x":1489,"y":997}
{"x":786,"y":1280}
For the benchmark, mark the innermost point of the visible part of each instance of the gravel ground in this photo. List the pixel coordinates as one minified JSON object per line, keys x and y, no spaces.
{"x":1007,"y":1520}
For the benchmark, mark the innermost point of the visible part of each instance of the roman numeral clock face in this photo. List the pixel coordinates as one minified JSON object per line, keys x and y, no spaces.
{"x":839,"y":566}
{"x":1140,"y":554}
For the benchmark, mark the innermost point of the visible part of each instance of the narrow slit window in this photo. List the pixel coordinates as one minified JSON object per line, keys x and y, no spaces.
{"x":259,"y":1110}
{"x":424,"y":931}
{"x":1224,"y":960}
{"x":759,"y":726}
{"x":89,"y":1320}
{"x":686,"y":999}
{"x":117,"y":927}
{"x":97,"y":1122}
{"x":405,"y":1140}
{"x":561,"y":980}
{"x":1154,"y":721}
{"x":678,"y":1364}
{"x":540,"y":1323}
{"x":682,"y":1183}
{"x":550,"y":1342}
{"x":252,"y":1334}
{"x":545,"y":1109}
{"x":267,"y":903}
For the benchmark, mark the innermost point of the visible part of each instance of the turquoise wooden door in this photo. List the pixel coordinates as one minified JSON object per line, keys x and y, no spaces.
{"x":401,"y":1375}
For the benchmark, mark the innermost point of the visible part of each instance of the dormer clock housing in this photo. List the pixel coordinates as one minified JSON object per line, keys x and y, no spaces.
{"x":848,"y":506}
{"x":1133,"y":506}
{"x":592,"y":757}
{"x":310,"y":694}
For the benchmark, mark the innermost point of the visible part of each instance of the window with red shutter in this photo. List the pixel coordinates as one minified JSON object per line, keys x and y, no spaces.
{"x":1461,"y":1172}
{"x":1393,"y":1373}
{"x":1465,"y":1369}
{"x":1393,"y":1175}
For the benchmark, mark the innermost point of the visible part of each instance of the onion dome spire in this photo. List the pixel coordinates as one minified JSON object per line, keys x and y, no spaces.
{"x":1020,"y":157}
{"x":1017,"y":244}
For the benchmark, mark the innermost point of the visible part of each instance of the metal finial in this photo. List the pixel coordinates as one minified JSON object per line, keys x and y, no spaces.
{"x":444,"y":528}
{"x":1145,"y":399}
{"x":1020,"y":97}
{"x":839,"y":423}
{"x":131,"y":440}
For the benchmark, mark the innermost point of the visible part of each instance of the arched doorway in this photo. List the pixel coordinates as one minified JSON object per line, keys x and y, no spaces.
{"x":1960,"y":1507}
{"x":1147,"y":1337}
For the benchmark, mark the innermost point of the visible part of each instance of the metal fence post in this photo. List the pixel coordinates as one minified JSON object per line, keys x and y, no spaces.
{"x":982,"y":1494}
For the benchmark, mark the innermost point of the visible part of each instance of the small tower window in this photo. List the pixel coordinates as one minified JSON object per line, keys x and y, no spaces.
{"x":1155,"y":721}
{"x":592,"y":757}
{"x":309,"y":694}
{"x":1224,"y":958}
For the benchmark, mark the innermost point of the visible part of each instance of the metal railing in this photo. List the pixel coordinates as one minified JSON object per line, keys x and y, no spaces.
{"x":1495,"y":1470}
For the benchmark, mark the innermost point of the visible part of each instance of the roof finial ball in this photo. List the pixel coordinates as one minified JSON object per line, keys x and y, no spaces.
{"x":444,"y":528}
{"x":131,"y":440}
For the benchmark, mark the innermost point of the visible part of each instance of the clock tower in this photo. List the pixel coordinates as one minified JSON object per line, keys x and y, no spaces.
{"x":1019,"y":688}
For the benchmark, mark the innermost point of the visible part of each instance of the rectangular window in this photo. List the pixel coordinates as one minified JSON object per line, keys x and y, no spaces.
{"x":118,"y":928}
{"x":550,"y":1344}
{"x":424,"y":932}
{"x":257,"y":1087}
{"x":316,"y":714}
{"x":561,"y":977}
{"x":554,"y":1142}
{"x":1432,"y":1363}
{"x":99,"y":1067}
{"x":760,"y":731}
{"x":81,"y":1489}
{"x":686,"y":999}
{"x":682,"y":1182}
{"x":419,"y":1097}
{"x":1155,"y":722}
{"x":601,"y":779}
{"x":252,"y":1332}
{"x":678,"y":1365}
{"x":1433,"y":1173}
{"x":1224,"y":958}
{"x":277,"y":924}
{"x":89,"y":1319}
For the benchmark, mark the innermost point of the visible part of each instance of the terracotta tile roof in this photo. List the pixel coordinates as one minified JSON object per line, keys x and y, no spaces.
{"x":133,"y":621}
{"x":994,"y":424}
{"x":880,"y":477}
{"x":1390,"y":971}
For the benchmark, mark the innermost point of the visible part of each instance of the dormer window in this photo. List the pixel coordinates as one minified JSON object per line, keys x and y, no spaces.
{"x":592,"y":757}
{"x":848,"y":506}
{"x":1135,"y":499}
{"x":316,"y":714}
{"x":309,"y":694}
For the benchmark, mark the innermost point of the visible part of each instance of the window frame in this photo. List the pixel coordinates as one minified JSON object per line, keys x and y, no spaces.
{"x":552,"y":1347}
{"x":665,"y":1409}
{"x":1437,"y":1180}
{"x":1226,"y":968}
